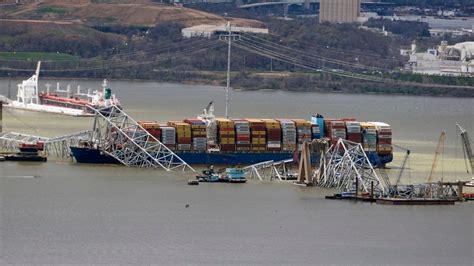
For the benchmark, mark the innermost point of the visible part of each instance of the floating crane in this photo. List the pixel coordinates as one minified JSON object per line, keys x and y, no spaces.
{"x":394,"y":191}
{"x":467,"y":152}
{"x":439,"y":149}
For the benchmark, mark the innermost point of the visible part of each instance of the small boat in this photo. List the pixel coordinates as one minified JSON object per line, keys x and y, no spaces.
{"x":193,"y":182}
{"x":235,"y":175}
{"x":209,"y":175}
{"x":230,"y":175}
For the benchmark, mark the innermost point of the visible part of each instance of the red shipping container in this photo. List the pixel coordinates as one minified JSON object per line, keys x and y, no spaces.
{"x":348,"y":119}
{"x":184,"y":140}
{"x":354,"y":137}
{"x":227,"y":147}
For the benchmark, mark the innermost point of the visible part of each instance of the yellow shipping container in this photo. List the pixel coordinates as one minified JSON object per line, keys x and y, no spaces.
{"x":199,"y":127}
{"x":301,"y":122}
{"x":270,"y":121}
{"x":226,"y":133}
{"x":227,"y":141}
{"x":149,"y":124}
{"x":258,"y":141}
{"x":366,"y":125}
{"x":270,"y":126}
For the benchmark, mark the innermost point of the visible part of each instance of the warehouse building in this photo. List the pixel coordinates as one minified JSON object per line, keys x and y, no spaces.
{"x":446,"y":60}
{"x":207,"y":31}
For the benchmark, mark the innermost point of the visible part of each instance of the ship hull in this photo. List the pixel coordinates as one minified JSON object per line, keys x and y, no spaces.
{"x":88,"y":155}
{"x":48,"y":109}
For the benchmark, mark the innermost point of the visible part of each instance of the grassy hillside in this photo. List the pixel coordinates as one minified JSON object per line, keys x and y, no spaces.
{"x":138,"y":12}
{"x":66,"y":38}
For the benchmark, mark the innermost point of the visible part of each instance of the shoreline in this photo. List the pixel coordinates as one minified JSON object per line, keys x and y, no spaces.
{"x":239,"y":88}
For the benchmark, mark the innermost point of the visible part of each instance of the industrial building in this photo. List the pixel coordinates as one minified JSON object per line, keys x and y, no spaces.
{"x":339,"y":11}
{"x":446,"y":60}
{"x":207,"y":31}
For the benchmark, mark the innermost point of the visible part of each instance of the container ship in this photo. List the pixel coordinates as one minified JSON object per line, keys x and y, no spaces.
{"x":220,"y":141}
{"x":61,"y":101}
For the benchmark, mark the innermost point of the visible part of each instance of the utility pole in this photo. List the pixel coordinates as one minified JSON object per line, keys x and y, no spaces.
{"x":9,"y":86}
{"x":228,"y":74}
{"x":1,"y":116}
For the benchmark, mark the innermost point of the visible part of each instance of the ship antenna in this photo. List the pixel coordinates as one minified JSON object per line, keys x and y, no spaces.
{"x":36,"y":81}
{"x":104,"y":86}
{"x":228,"y":73}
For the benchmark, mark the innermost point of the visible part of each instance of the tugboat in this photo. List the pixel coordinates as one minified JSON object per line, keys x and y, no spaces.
{"x":235,"y":175}
{"x":77,"y":104}
{"x":230,"y":175}
{"x":209,"y":175}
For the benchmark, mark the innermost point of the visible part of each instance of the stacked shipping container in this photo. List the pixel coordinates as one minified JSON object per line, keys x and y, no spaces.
{"x":369,"y":136}
{"x":168,"y":137}
{"x":288,"y":130}
{"x":226,"y":134}
{"x":242,"y":135}
{"x":183,"y":134}
{"x":152,"y":127}
{"x":335,"y":129}
{"x":303,"y":131}
{"x":273,"y":132}
{"x":198,"y":134}
{"x":258,"y":134}
{"x":353,"y":131}
{"x":384,"y":137}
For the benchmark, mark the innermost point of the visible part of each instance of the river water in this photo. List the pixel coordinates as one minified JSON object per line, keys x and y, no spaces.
{"x":87,"y":214}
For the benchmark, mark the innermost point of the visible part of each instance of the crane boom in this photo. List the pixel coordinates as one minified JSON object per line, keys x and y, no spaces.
{"x":402,"y":167}
{"x":439,"y":149}
{"x":466,"y":141}
{"x":38,"y":70}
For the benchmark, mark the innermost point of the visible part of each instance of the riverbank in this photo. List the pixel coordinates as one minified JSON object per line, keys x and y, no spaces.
{"x":286,"y":81}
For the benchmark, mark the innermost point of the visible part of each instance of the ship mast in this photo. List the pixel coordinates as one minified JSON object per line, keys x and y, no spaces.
{"x":228,"y":73}
{"x":36,"y":81}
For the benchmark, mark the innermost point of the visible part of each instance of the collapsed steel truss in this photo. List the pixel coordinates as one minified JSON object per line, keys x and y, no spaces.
{"x":58,"y":146}
{"x":118,"y":135}
{"x":345,"y":163}
{"x":268,"y":170}
{"x":426,"y":191}
{"x":11,"y":140}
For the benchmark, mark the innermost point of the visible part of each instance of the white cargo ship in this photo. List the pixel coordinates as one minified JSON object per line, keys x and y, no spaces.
{"x":60,"y":101}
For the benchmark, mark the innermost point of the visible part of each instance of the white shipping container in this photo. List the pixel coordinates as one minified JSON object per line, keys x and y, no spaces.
{"x":274,"y":145}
